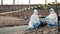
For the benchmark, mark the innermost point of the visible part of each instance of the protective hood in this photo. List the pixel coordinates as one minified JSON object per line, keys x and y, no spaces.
{"x":35,"y":11}
{"x":52,"y":10}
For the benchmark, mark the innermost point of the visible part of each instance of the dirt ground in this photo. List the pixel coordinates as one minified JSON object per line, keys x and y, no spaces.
{"x":44,"y":30}
{"x":22,"y":30}
{"x":6,"y":20}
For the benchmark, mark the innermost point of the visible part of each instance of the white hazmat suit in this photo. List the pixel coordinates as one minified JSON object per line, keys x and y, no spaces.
{"x":52,"y":18}
{"x":34,"y":20}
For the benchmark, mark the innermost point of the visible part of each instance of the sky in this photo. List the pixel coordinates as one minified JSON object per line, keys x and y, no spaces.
{"x":27,"y":1}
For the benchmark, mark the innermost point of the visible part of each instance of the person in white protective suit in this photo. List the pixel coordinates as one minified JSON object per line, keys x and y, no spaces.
{"x":34,"y":20}
{"x":52,"y":19}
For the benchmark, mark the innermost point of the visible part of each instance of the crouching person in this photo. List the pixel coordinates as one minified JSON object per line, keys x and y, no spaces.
{"x":34,"y":21}
{"x":52,"y":19}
